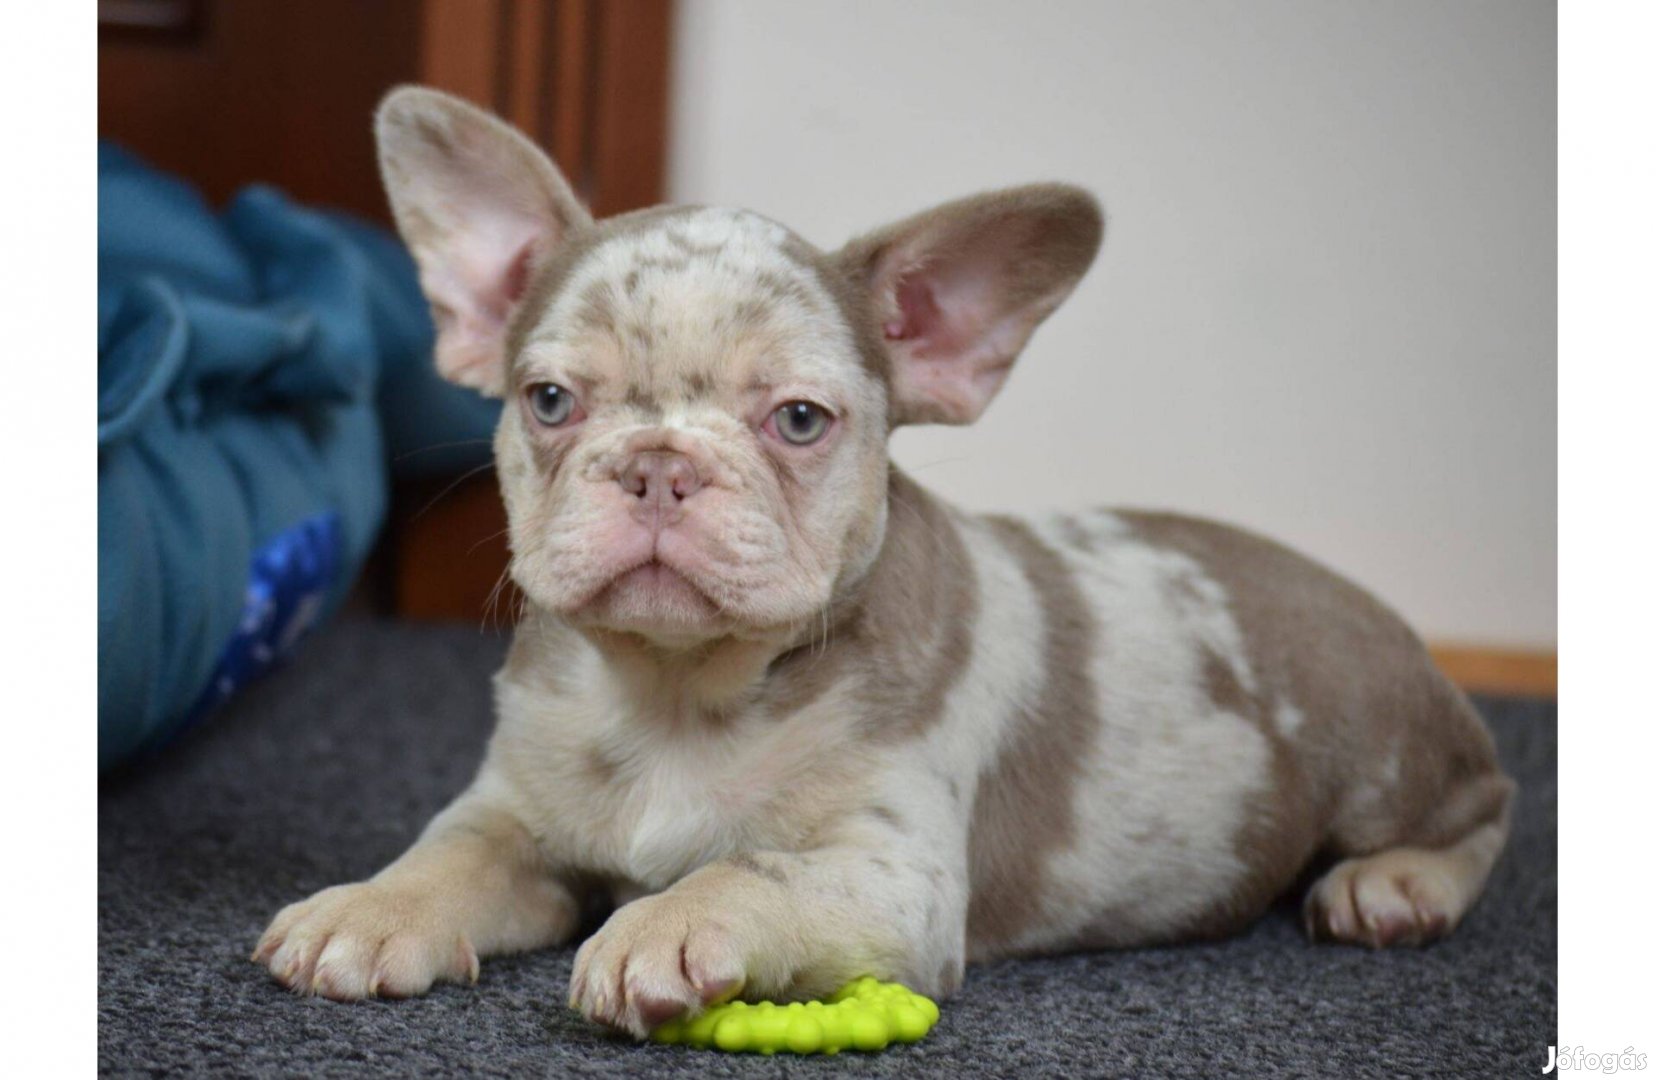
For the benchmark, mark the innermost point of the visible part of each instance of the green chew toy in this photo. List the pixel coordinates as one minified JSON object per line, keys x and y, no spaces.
{"x":864,"y":1015}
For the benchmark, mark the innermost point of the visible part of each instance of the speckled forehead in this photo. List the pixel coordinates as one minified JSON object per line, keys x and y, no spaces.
{"x":705,"y":294}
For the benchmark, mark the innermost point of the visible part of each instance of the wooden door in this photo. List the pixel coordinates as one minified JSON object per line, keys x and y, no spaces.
{"x":231,"y":92}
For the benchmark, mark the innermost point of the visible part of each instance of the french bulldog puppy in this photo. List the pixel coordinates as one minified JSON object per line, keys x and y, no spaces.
{"x":801,"y":721}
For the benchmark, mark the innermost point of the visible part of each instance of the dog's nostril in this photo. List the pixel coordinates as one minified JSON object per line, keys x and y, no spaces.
{"x":655,"y":474}
{"x":637,"y":477}
{"x":685,"y":482}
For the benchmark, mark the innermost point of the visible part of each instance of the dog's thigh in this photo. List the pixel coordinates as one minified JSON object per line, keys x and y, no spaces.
{"x":1417,"y":834}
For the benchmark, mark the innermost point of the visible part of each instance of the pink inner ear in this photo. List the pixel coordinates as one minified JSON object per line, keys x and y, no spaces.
{"x":517,"y":274}
{"x":472,"y":298}
{"x":921,"y":320}
{"x":951,"y":339}
{"x":497,"y":292}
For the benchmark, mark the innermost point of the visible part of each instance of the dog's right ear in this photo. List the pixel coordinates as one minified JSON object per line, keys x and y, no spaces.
{"x":481,"y":208}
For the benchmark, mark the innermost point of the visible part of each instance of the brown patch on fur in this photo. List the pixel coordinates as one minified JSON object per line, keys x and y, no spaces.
{"x":748,"y":864}
{"x":639,"y":335}
{"x":1075,"y":535}
{"x":1025,"y":808}
{"x":597,"y":308}
{"x":690,"y":247}
{"x":546,"y":281}
{"x":888,"y":817}
{"x":781,"y":289}
{"x":548,"y":449}
{"x":850,"y":295}
{"x":749,"y":315}
{"x":1369,"y":694}
{"x":1224,"y":689}
{"x":904,"y":638}
{"x":599,"y":768}
{"x":672,"y":264}
{"x":1277,"y":835}
{"x":639,"y":398}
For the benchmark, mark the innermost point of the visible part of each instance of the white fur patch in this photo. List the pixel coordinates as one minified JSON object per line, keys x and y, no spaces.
{"x":1007,"y":662}
{"x":1166,"y":789}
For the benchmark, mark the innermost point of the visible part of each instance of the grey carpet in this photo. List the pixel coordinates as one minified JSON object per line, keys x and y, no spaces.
{"x":325,"y":771}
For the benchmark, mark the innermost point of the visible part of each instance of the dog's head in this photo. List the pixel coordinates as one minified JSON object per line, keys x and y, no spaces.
{"x":698,"y":401}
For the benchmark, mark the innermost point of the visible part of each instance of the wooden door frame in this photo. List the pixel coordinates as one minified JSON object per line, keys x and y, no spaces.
{"x":587,"y":79}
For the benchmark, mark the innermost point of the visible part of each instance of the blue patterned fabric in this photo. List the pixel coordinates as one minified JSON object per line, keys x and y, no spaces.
{"x":243,"y":360}
{"x":287,"y":594}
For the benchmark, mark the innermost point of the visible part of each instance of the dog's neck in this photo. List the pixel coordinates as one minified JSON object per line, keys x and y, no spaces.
{"x":704,"y":681}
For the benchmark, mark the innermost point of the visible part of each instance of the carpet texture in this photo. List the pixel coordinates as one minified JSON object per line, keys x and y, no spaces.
{"x":326,"y":771}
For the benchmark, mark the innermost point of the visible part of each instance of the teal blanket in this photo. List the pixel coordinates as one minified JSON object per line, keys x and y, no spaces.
{"x":250,"y":367}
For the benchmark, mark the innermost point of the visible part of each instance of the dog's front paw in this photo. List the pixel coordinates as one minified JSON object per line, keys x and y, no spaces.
{"x":656,"y":958}
{"x":364,"y":940}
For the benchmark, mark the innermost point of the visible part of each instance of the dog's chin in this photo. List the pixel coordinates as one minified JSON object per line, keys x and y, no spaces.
{"x":657,"y":602}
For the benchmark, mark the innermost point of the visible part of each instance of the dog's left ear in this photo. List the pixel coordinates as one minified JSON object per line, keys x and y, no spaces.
{"x":960,"y":288}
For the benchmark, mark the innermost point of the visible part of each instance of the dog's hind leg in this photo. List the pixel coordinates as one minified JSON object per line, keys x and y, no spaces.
{"x":1405,"y":895}
{"x":1415,"y":852}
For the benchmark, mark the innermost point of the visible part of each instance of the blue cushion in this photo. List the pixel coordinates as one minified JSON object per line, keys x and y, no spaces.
{"x":242,"y":362}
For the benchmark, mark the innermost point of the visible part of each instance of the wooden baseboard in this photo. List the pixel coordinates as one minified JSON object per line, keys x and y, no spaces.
{"x":1532,"y":673}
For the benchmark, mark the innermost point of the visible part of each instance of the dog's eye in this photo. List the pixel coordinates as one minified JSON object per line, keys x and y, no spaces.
{"x":801,"y":423}
{"x":551,"y":403}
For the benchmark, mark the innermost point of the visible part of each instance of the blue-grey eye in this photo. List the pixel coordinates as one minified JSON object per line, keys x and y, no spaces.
{"x":802,"y":423}
{"x":551,"y":403}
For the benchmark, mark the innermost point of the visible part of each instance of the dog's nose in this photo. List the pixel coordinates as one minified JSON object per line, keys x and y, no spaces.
{"x":661,"y":479}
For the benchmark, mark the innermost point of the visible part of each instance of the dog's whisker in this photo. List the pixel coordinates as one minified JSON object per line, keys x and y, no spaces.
{"x":418,"y":450}
{"x":461,"y":479}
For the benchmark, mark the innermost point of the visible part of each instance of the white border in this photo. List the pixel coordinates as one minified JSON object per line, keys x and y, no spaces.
{"x":48,"y":770}
{"x":1607,"y":529}
{"x":1607,"y":524}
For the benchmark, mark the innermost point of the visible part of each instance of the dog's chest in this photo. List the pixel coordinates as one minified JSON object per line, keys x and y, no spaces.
{"x":678,"y":813}
{"x":670,"y":803}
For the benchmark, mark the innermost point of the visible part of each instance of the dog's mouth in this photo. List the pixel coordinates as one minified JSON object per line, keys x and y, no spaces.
{"x":653,"y":595}
{"x":657,"y":578}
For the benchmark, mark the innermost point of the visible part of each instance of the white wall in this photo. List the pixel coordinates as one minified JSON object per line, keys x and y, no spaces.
{"x":1325,"y":306}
